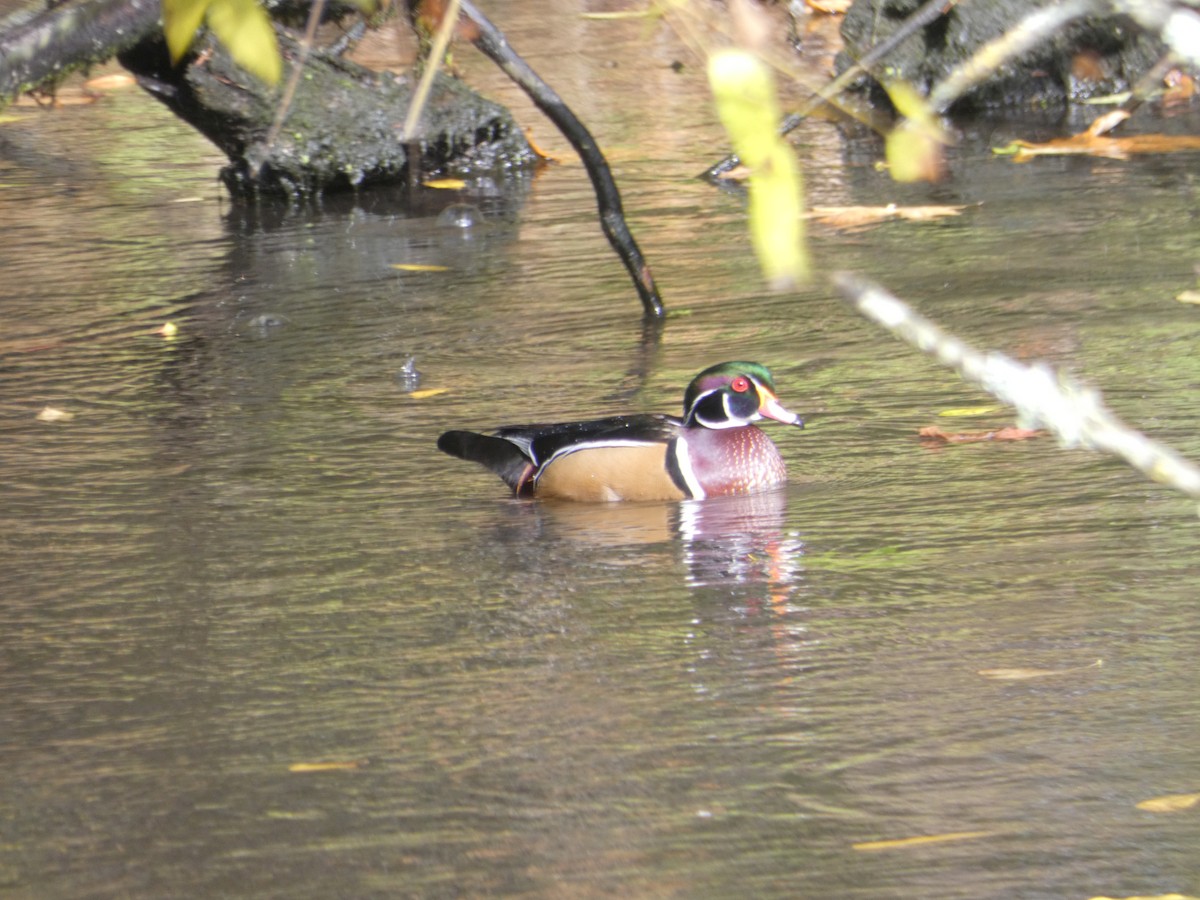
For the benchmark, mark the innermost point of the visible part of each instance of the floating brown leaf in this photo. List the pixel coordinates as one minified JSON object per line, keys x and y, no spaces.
{"x":538,"y":151}
{"x":934,"y":434}
{"x":828,"y":7}
{"x":336,"y":766}
{"x":115,"y":82}
{"x":1020,"y":674}
{"x":1093,"y":142}
{"x":1180,"y":88}
{"x":851,"y":217}
{"x":1169,"y":803}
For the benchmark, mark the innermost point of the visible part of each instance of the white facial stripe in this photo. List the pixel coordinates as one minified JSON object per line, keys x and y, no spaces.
{"x":730,"y":420}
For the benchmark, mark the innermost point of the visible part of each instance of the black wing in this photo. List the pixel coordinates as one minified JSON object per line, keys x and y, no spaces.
{"x":540,"y":442}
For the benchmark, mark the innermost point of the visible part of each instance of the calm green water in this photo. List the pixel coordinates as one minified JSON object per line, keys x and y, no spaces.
{"x":243,"y":552}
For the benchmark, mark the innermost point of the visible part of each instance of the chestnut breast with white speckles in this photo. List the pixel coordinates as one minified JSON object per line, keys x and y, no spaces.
{"x":730,"y":461}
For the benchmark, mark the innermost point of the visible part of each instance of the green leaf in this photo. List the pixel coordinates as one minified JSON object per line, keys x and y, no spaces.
{"x":181,"y":18}
{"x":245,"y":29}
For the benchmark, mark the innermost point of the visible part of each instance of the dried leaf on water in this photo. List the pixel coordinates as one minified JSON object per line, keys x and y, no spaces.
{"x":445,"y":184}
{"x":852,"y":217}
{"x":333,"y":766}
{"x":419,"y":267}
{"x":828,"y":7}
{"x":964,"y":411}
{"x":54,"y":414}
{"x":425,"y":393}
{"x":114,"y":82}
{"x":538,"y":151}
{"x":1020,"y":674}
{"x":921,"y":840}
{"x":1169,"y":803}
{"x":934,"y":434}
{"x":1192,"y":296}
{"x":1094,"y":142}
{"x":1180,"y":88}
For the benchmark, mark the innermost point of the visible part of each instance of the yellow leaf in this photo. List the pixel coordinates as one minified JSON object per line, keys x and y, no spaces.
{"x":114,"y":82}
{"x":446,"y":184}
{"x":1189,"y":297}
{"x":968,"y":411}
{"x":181,"y":18}
{"x":1169,"y":803}
{"x":326,"y":766}
{"x":419,"y":267}
{"x":744,"y":91}
{"x":914,"y":147}
{"x":921,"y":840}
{"x":245,"y":29}
{"x":1018,"y":674}
{"x":427,"y":392}
{"x":54,"y":414}
{"x":914,"y":154}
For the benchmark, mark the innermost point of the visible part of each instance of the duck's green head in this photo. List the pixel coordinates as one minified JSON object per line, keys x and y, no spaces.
{"x":733,"y":394}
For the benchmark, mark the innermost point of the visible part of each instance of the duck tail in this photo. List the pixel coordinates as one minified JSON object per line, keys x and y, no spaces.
{"x":496,"y":454}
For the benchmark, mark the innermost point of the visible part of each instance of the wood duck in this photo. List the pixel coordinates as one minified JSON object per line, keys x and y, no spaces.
{"x":712,"y":450}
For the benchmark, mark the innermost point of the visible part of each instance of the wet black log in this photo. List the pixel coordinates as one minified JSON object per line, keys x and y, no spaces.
{"x":342,"y":127}
{"x":40,"y":46}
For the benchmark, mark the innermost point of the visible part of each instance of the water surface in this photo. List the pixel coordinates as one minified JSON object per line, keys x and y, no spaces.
{"x":242,"y":553}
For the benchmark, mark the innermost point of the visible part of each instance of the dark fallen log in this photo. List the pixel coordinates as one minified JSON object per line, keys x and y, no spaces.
{"x":39,"y":47}
{"x":342,"y":126}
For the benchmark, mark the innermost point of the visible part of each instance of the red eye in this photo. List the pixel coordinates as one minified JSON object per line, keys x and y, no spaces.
{"x":741,"y":384}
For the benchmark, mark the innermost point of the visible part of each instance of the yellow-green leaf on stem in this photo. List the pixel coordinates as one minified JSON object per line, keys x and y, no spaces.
{"x":915,"y":146}
{"x":244,"y":27}
{"x":744,"y":91}
{"x":181,"y":18}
